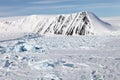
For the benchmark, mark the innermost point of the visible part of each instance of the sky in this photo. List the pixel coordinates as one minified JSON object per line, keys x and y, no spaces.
{"x":102,"y":8}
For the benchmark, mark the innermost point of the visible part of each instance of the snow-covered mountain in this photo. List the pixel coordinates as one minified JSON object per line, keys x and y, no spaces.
{"x":28,"y":56}
{"x":83,"y":23}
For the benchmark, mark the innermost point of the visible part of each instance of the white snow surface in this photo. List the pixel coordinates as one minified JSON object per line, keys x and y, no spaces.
{"x":60,"y":58}
{"x":30,"y":53}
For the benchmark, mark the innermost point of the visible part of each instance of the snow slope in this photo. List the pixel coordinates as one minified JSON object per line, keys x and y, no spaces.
{"x":112,"y":20}
{"x":83,"y":23}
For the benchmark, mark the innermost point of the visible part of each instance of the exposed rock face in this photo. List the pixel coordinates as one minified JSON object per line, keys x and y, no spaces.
{"x":73,"y":24}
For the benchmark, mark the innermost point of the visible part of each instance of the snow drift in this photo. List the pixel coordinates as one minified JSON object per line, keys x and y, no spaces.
{"x":83,"y":23}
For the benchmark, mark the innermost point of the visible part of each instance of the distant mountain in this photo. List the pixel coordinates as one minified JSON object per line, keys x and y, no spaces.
{"x":83,"y":23}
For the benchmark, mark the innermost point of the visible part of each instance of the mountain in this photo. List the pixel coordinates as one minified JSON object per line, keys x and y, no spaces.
{"x":83,"y":23}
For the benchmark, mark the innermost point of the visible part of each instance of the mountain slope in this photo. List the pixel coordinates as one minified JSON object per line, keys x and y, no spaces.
{"x":83,"y":23}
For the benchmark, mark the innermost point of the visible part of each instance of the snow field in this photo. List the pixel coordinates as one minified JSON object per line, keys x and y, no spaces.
{"x":67,"y":58}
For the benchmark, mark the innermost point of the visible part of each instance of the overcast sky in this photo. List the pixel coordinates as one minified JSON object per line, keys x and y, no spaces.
{"x":101,"y":8}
